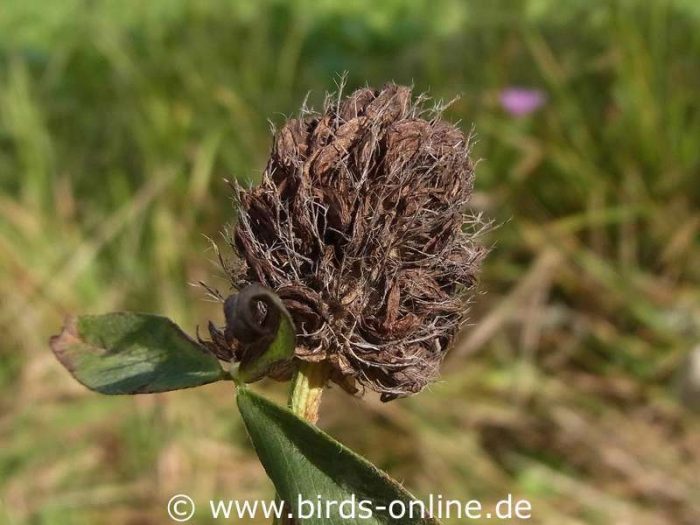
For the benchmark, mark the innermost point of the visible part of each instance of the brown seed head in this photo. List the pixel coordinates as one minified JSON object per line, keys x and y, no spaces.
{"x":359,"y":226}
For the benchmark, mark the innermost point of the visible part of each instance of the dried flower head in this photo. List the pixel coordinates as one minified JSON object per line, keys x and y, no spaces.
{"x":359,"y":226}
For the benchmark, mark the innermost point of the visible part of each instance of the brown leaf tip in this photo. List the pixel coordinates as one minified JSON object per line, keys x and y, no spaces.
{"x":360,"y":226}
{"x":61,"y":342}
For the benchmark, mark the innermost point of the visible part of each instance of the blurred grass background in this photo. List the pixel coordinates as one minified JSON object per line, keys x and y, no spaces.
{"x":118,"y":121}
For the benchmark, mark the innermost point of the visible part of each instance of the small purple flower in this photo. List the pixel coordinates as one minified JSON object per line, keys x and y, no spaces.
{"x":520,"y":101}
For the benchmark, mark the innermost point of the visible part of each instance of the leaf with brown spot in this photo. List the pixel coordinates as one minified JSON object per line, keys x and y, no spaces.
{"x":131,"y":353}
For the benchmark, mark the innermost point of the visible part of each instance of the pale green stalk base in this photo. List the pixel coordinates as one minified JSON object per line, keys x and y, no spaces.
{"x":307,"y":388}
{"x":304,"y":400}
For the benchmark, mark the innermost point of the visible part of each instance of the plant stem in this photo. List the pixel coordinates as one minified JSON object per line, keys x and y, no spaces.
{"x":307,"y":388}
{"x":304,"y":399}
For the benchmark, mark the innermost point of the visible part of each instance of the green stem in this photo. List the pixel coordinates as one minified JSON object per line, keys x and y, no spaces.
{"x":307,"y":388}
{"x":304,"y":400}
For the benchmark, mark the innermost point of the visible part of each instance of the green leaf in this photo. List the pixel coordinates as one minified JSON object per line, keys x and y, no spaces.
{"x":303,"y":461}
{"x":131,"y":353}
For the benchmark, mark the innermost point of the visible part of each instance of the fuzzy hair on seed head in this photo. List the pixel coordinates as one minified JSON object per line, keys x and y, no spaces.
{"x":360,"y":225}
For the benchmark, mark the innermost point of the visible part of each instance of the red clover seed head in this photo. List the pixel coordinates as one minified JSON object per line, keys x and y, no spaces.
{"x":360,"y":225}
